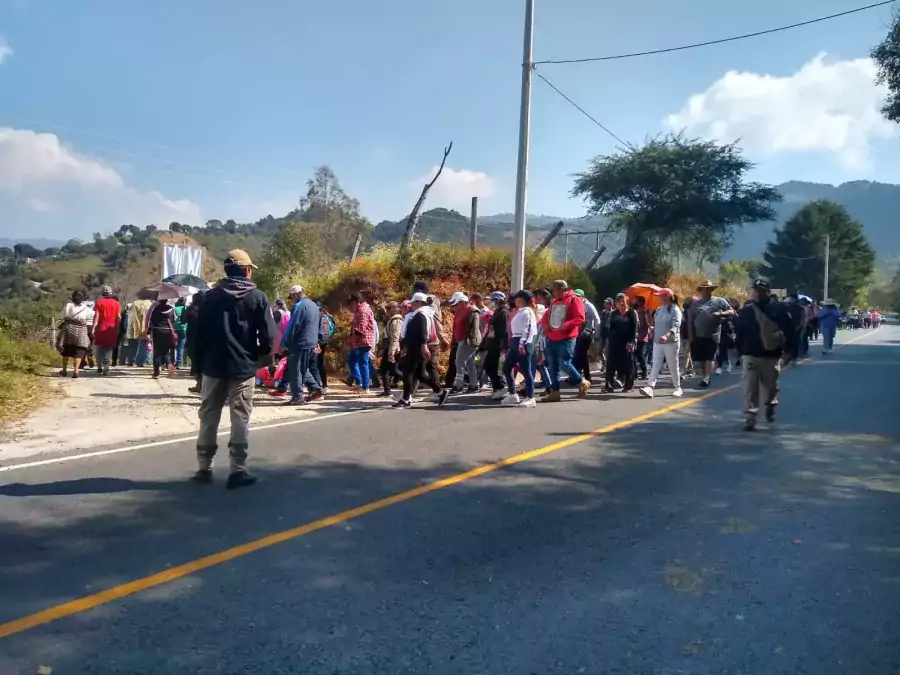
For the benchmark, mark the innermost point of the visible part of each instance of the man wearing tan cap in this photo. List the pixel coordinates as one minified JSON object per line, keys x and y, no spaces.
{"x":235,"y":329}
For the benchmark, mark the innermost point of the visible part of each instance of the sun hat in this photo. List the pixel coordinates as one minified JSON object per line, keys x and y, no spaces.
{"x":106,"y":291}
{"x":296,"y":288}
{"x":457,"y":298}
{"x":239,"y":257}
{"x":418,"y":297}
{"x":708,"y":284}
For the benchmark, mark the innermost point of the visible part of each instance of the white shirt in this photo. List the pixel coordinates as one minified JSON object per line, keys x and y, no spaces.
{"x":524,"y":326}
{"x":81,"y":312}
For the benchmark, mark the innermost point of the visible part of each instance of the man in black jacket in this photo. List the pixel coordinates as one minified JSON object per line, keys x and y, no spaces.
{"x":415,"y":335}
{"x":235,"y":329}
{"x":763,"y":327}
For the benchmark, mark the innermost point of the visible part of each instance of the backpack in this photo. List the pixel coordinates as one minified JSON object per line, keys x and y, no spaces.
{"x":771,"y":336}
{"x":327,"y":326}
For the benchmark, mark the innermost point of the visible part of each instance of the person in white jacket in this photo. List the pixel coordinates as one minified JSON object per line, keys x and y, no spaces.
{"x":666,"y":342}
{"x":522,"y":337}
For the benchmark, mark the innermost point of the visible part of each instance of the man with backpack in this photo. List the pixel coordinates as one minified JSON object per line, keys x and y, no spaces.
{"x":762,"y":329}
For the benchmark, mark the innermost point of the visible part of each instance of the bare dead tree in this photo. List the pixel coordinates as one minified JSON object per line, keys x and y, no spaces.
{"x":413,"y":219}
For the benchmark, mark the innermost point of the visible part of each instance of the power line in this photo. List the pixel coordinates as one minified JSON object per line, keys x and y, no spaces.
{"x":721,"y":40}
{"x":580,"y":109}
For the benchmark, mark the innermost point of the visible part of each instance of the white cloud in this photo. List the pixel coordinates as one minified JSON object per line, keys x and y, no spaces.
{"x":5,"y":50}
{"x":39,"y":174}
{"x":456,"y":188}
{"x":824,"y":106}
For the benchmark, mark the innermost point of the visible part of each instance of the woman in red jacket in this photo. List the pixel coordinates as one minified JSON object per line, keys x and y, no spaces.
{"x":107,"y":315}
{"x":561,"y":324}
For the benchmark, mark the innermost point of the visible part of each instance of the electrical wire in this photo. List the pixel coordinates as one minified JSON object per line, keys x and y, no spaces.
{"x":719,"y":41}
{"x":580,"y":109}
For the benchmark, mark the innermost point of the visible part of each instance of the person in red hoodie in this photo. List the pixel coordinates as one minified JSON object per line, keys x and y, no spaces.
{"x":561,"y":324}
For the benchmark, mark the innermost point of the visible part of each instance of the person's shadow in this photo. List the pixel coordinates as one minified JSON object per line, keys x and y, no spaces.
{"x":81,"y":486}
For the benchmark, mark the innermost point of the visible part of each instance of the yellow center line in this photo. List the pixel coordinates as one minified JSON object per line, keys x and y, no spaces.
{"x":124,"y":590}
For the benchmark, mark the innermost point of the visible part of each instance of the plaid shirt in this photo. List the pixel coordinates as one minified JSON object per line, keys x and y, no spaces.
{"x":362,"y":330}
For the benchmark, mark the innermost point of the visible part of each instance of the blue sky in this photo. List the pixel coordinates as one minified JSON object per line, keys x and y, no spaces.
{"x":222,"y":108}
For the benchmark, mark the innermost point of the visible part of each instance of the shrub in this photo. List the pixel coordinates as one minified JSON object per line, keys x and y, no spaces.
{"x":23,"y":366}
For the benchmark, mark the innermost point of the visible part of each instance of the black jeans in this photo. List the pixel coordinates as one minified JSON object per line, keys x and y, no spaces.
{"x":162,"y":351}
{"x":492,"y":366}
{"x":389,"y":371}
{"x":619,"y":362}
{"x":450,"y":377}
{"x":416,"y":368}
{"x":640,"y":361}
{"x":320,"y":365}
{"x":582,"y":359}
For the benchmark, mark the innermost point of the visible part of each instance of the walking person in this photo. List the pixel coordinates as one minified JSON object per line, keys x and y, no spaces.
{"x":118,"y":353}
{"x":540,"y":303}
{"x":302,"y":336}
{"x":72,"y":339}
{"x":161,"y":327}
{"x":191,"y":319}
{"x":562,"y":323}
{"x":495,"y":341}
{"x":704,"y":321}
{"x":829,"y":319}
{"x":329,"y":326}
{"x":623,"y":331}
{"x":520,"y":352}
{"x":727,"y":342}
{"x":687,"y":366}
{"x":107,"y":315}
{"x":467,"y":335}
{"x":666,"y":343}
{"x":390,"y":348}
{"x":416,"y":333}
{"x":235,"y":331}
{"x":643,"y":336}
{"x":585,"y":339}
{"x":137,"y":322}
{"x":180,"y":331}
{"x":362,"y":341}
{"x":762,"y":327}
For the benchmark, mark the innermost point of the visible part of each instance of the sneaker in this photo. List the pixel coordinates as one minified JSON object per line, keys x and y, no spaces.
{"x":584,"y":389}
{"x":203,"y":476}
{"x":647,"y":391}
{"x":278,"y":393}
{"x":295,"y":402}
{"x":704,"y":383}
{"x":196,"y":390}
{"x":498,"y":395}
{"x":315,"y":395}
{"x":442,"y":397}
{"x":383,"y":394}
{"x":678,"y":393}
{"x":510,"y":399}
{"x":456,"y":389}
{"x":527,"y":403}
{"x":750,"y":425}
{"x":718,"y":371}
{"x":432,"y":398}
{"x":239,"y":479}
{"x":473,"y":390}
{"x":728,"y":368}
{"x":554,"y":397}
{"x":770,"y":413}
{"x":402,"y":403}
{"x":627,"y":390}
{"x":326,"y":391}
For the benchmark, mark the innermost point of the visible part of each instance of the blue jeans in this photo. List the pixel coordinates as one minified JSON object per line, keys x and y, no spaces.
{"x":302,"y":372}
{"x":102,"y":355}
{"x":526,"y":367}
{"x":141,"y":358}
{"x":828,"y":338}
{"x":559,"y":358}
{"x":179,"y":349}
{"x":358,"y":360}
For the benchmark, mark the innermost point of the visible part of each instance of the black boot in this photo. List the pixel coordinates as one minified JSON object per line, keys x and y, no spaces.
{"x":203,"y":476}
{"x":239,"y":479}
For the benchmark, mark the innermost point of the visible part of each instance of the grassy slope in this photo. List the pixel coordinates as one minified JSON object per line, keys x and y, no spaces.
{"x":23,"y":370}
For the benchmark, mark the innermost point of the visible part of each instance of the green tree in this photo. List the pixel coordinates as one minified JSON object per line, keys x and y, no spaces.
{"x":295,"y":255}
{"x":795,"y":259}
{"x":887,"y":56}
{"x":673,"y":191}
{"x":738,"y":272}
{"x":335,"y":213}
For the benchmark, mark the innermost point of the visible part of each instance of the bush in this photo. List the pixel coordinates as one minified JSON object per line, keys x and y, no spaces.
{"x":23,"y":366}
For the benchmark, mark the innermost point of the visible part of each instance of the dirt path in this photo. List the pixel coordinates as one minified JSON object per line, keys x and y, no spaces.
{"x":130,"y":407}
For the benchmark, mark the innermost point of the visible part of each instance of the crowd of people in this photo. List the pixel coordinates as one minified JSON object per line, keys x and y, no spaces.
{"x":235,"y":341}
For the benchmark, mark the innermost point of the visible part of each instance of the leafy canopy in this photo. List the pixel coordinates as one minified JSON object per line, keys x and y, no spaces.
{"x":675,"y":186}
{"x":795,"y":259}
{"x":887,"y":55}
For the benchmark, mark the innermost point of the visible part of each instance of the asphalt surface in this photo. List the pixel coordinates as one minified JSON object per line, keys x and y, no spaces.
{"x":678,"y":545}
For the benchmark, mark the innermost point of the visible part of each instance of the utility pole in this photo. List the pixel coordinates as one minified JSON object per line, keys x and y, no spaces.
{"x":827,"y":256}
{"x":473,"y":227}
{"x":566,"y":236}
{"x":518,"y":261}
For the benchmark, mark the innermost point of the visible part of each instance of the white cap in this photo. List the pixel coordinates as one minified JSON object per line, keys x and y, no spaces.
{"x":418,"y":297}
{"x":296,"y":288}
{"x":457,"y":298}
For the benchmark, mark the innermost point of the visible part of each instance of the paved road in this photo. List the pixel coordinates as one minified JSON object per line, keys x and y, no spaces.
{"x":678,"y":544}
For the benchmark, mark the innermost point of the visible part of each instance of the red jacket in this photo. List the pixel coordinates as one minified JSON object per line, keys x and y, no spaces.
{"x":572,"y":321}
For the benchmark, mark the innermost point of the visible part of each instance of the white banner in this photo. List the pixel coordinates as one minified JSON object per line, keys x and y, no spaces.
{"x":182,"y":260}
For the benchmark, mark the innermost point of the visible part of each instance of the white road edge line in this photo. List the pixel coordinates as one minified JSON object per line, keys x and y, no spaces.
{"x":275,"y":425}
{"x":182,"y":439}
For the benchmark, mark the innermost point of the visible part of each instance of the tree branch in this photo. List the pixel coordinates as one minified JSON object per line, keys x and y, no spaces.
{"x":413,"y":219}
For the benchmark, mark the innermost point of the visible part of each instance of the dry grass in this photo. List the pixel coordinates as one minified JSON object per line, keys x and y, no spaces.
{"x":685,"y":286}
{"x":24,"y":367}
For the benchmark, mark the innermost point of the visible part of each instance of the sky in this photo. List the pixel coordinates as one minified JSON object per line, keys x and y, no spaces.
{"x":147,"y":111}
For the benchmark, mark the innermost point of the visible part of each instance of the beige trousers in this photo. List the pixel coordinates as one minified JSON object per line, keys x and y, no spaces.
{"x":760,"y":373}
{"x":215,"y":393}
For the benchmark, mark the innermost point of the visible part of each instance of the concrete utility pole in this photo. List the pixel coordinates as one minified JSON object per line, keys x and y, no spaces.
{"x":473,"y":227}
{"x":827,"y":256}
{"x":518,"y":261}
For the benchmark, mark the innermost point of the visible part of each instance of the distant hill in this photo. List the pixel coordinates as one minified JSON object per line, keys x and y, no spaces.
{"x":38,"y":243}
